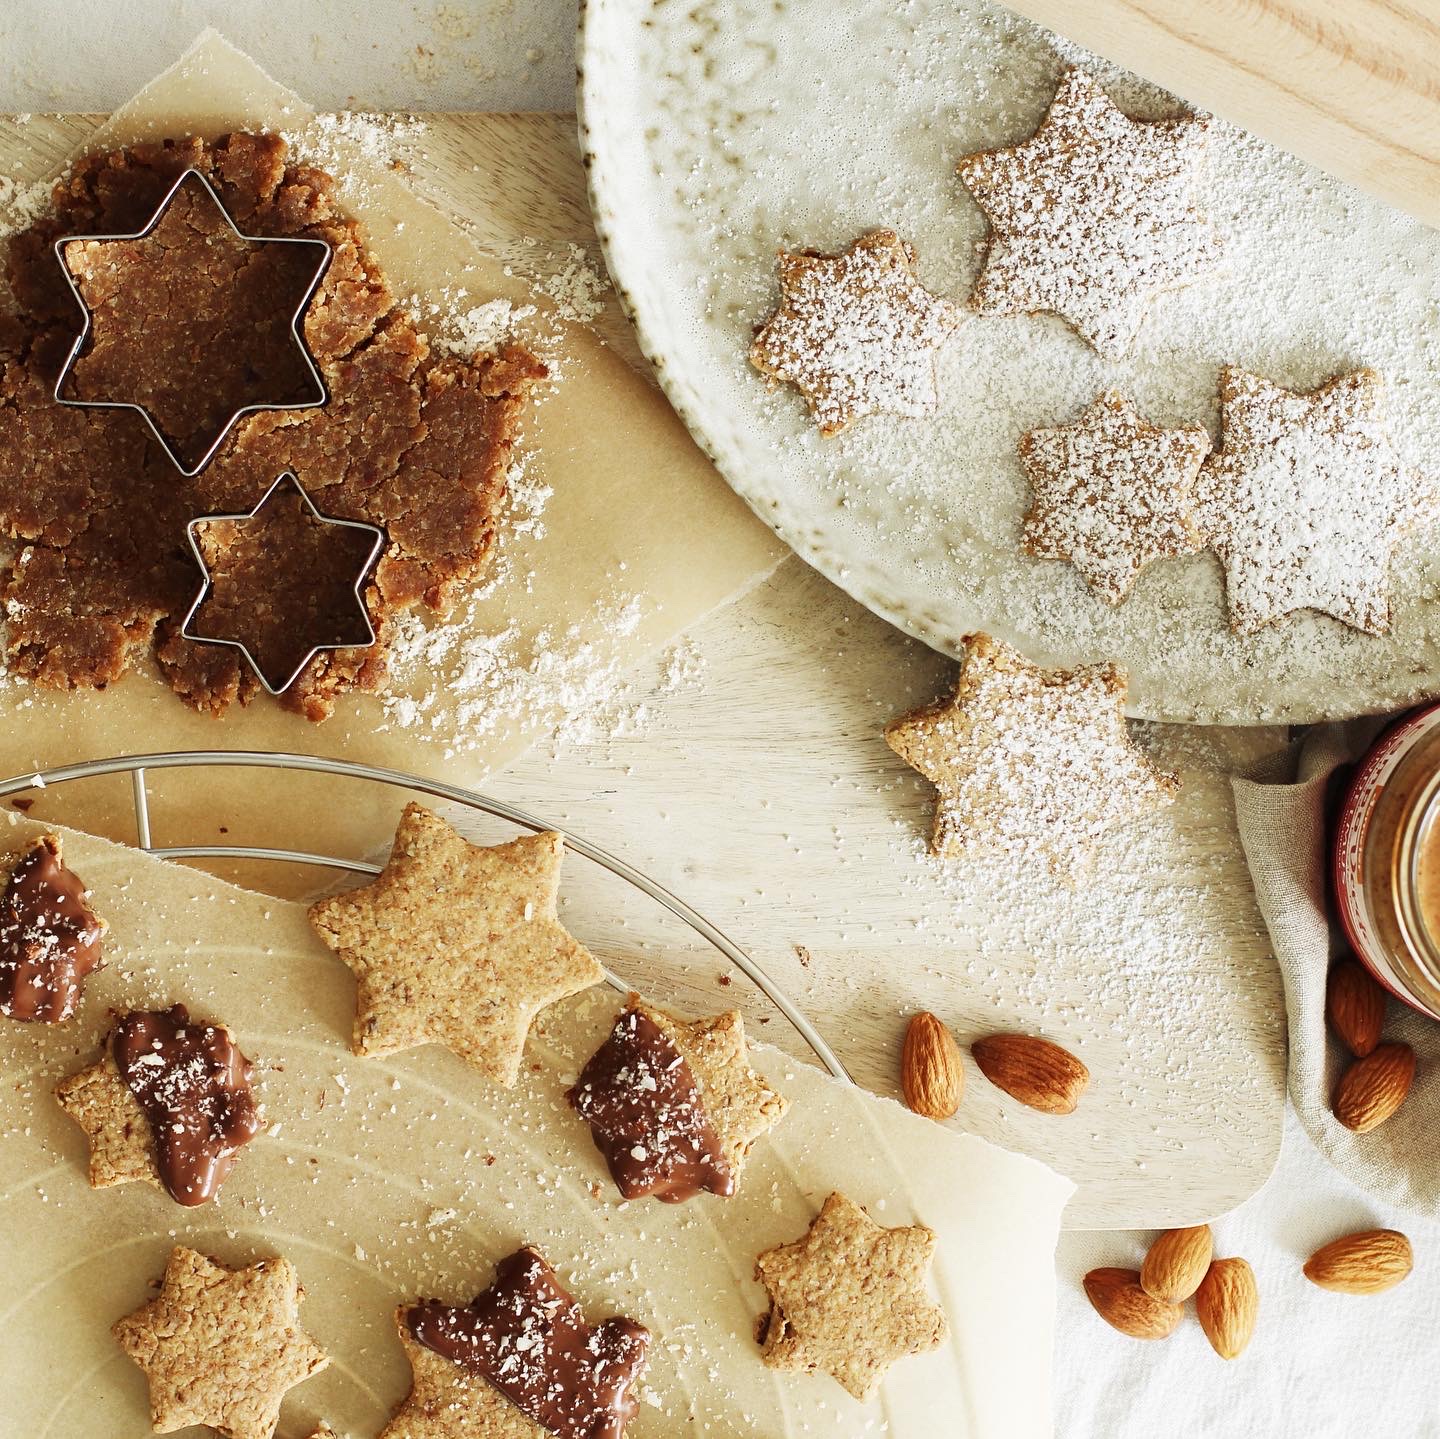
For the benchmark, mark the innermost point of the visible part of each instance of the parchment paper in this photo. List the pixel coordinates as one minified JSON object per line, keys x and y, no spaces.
{"x":379,"y":1184}
{"x":637,"y":518}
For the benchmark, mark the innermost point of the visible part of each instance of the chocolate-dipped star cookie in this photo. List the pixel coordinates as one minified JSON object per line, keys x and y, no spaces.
{"x":856,"y":333}
{"x":848,"y":1297}
{"x":1112,"y":493}
{"x":49,"y":936}
{"x":673,"y":1106}
{"x":1027,"y":760}
{"x":1092,"y":216}
{"x":169,"y":1103}
{"x":518,"y":1362}
{"x":456,"y":944}
{"x":1307,"y":499}
{"x":221,"y":1346}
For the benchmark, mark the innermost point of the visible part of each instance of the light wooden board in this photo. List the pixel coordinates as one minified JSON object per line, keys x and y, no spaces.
{"x":1346,"y":84}
{"x":763,"y":794}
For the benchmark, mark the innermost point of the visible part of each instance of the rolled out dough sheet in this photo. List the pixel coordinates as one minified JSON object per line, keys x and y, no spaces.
{"x":641,"y":539}
{"x":386,"y":1179}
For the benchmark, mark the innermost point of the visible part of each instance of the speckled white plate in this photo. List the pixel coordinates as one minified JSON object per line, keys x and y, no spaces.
{"x":717,"y":131}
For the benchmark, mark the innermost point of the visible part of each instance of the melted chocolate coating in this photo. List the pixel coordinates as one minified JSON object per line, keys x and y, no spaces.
{"x":193,"y":1085}
{"x":644,"y":1110}
{"x":527,"y":1337}
{"x":49,"y":937}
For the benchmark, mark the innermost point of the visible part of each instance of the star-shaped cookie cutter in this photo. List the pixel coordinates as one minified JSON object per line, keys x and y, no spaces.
{"x":187,"y":630}
{"x":324,"y":252}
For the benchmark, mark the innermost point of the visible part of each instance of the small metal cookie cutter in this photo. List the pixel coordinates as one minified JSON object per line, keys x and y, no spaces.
{"x":284,"y":480}
{"x":324,"y":251}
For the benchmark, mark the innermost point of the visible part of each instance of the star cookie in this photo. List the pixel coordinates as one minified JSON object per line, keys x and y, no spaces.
{"x":1092,"y":216}
{"x":856,"y":333}
{"x":1027,"y":760}
{"x":221,"y":1346}
{"x":519,"y":1361}
{"x":1112,"y":493}
{"x":1307,"y":499}
{"x":457,"y":945}
{"x":674,"y":1106}
{"x":178,"y":1114}
{"x":849,"y":1297}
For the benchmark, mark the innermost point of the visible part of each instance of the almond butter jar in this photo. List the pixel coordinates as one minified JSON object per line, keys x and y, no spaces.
{"x":1386,"y":859}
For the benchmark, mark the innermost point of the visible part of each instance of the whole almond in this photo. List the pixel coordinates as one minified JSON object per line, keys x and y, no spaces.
{"x":1373,"y":1088}
{"x":1369,"y":1262}
{"x":1176,"y":1263}
{"x":1121,"y":1302}
{"x":931,"y":1073}
{"x":1355,"y":1006}
{"x":1034,"y":1071}
{"x":1226,"y":1304}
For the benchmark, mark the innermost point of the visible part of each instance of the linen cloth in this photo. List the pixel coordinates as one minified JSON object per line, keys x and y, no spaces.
{"x":1283,"y":829}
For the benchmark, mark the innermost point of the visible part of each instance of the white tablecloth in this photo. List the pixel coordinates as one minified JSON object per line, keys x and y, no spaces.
{"x":1322,"y":1365}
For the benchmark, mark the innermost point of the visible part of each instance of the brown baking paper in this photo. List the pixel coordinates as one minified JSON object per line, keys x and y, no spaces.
{"x":387,"y":1179}
{"x":641,"y":538}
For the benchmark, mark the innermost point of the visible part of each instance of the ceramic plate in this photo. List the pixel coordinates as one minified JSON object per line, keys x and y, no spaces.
{"x":717,"y":132}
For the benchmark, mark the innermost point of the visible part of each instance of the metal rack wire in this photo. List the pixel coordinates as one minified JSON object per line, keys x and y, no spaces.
{"x":138,"y":765}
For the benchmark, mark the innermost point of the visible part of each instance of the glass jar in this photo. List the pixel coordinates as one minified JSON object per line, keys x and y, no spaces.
{"x":1386,"y":859}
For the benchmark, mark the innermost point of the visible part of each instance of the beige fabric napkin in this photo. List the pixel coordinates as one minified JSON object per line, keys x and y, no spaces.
{"x":1282,"y":814}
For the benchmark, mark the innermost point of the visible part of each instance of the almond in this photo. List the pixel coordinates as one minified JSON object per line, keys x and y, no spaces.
{"x":1373,"y":1088}
{"x":1034,"y":1071}
{"x":1226,"y":1304}
{"x":1121,"y":1302}
{"x":931,"y":1073}
{"x":1369,"y":1262}
{"x":1355,"y":1006}
{"x":1176,"y":1263}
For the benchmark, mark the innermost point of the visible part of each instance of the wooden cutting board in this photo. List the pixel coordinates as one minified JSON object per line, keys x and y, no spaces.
{"x":763,"y":794}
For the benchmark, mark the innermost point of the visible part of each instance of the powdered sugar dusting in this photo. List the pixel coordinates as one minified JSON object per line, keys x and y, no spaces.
{"x":922,"y":517}
{"x":1307,"y":500}
{"x":1112,"y":493}
{"x":856,"y":332}
{"x":1093,"y":215}
{"x":1029,"y":762}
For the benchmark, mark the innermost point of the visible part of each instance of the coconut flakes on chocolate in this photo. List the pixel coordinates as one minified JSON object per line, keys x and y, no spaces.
{"x":170,"y":1102}
{"x":527,"y":1338}
{"x":49,"y":936}
{"x":411,"y":440}
{"x":646,"y":1114}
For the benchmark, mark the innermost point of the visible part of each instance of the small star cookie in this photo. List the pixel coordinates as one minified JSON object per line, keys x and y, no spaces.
{"x":1092,"y":216}
{"x":856,"y":333}
{"x":456,"y":944}
{"x":221,"y":1346}
{"x":650,"y":1129}
{"x":1307,"y":499}
{"x":1027,"y":760}
{"x":849,"y":1297}
{"x":1112,"y":493}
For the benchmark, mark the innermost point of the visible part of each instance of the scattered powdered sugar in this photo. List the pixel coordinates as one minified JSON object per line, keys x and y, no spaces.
{"x":333,"y":141}
{"x":1307,"y":500}
{"x":1093,"y":215}
{"x":22,"y":204}
{"x":568,"y":275}
{"x":856,"y":332}
{"x":1112,"y":493}
{"x":1029,"y":762}
{"x":922,"y":517}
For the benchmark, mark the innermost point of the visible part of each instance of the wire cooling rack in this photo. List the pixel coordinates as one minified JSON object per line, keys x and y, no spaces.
{"x":136,"y":767}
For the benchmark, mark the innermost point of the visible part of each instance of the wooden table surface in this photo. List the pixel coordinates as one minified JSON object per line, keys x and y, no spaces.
{"x":762,"y":792}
